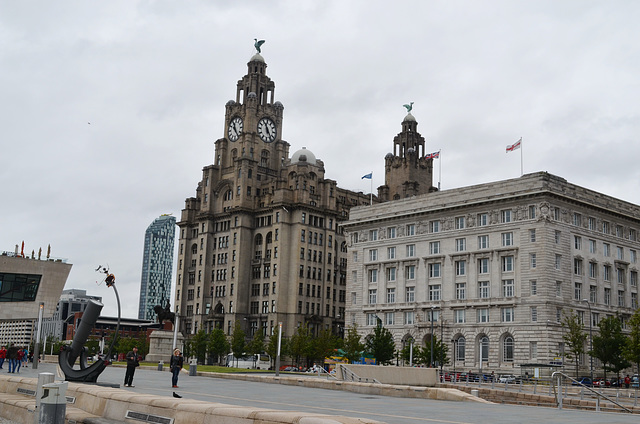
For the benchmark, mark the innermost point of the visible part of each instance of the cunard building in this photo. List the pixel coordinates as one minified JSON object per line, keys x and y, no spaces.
{"x":260,"y":242}
{"x":491,"y":269}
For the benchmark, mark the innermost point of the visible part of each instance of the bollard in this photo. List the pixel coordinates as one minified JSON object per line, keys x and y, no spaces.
{"x":43,"y":378}
{"x":53,"y":405}
{"x":193,"y":367}
{"x":475,"y":392}
{"x":160,"y":364}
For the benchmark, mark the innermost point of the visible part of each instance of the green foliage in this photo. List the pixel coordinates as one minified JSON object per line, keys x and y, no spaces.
{"x":574,"y":338}
{"x":299,"y":345}
{"x":126,"y":344}
{"x":218,"y":345}
{"x":93,"y":347}
{"x":353,"y":346}
{"x":418,"y":356}
{"x":199,"y":343}
{"x":238,"y":343}
{"x":380,"y":344}
{"x":323,"y":346}
{"x":632,"y":347}
{"x":256,"y":346}
{"x":608,"y":345}
{"x":440,"y":351}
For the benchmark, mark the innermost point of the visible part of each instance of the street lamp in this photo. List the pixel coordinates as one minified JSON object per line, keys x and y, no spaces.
{"x":36,"y":347}
{"x":590,"y":338}
{"x":431,"y":363}
{"x":453,"y":357}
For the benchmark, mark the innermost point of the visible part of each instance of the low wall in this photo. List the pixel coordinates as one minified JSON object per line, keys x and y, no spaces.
{"x":409,"y":376}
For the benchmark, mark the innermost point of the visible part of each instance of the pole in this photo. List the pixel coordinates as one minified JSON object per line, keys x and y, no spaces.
{"x":521,"y":150}
{"x":36,"y":348}
{"x":590,"y":339}
{"x":439,"y":168}
{"x":410,"y":352}
{"x":371,"y":192}
{"x":278,"y":353}
{"x":175,"y":332}
{"x":431,"y":363}
{"x":453,"y":357}
{"x":441,"y":344}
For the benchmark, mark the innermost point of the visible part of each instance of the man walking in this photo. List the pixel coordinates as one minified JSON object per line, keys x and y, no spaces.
{"x":3,"y":355}
{"x":12,"y":357}
{"x":132,"y":362}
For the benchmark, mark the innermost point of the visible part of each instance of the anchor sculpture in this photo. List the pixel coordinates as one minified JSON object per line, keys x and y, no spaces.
{"x":77,"y":351}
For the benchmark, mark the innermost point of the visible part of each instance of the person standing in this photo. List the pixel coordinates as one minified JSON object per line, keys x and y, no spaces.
{"x":19,"y":356}
{"x":25,"y":356}
{"x":175,"y":365}
{"x":3,"y":355}
{"x":133,"y":361}
{"x":627,"y":381}
{"x":12,"y":357}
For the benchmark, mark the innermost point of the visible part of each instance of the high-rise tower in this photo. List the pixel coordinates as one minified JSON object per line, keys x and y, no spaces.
{"x":157,"y":264}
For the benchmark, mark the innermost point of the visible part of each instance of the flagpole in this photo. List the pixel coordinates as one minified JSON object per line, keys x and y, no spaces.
{"x":439,"y":167}
{"x":521,"y":149}
{"x":371,"y":192}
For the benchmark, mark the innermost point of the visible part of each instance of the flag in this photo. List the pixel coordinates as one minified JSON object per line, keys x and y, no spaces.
{"x":434,"y":155}
{"x":514,"y":146}
{"x":368,"y":176}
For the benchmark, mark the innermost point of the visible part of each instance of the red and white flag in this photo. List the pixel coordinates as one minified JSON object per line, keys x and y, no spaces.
{"x":514,"y":146}
{"x":434,"y":155}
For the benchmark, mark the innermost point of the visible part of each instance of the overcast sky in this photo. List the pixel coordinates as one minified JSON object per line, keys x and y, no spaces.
{"x":110,"y":109}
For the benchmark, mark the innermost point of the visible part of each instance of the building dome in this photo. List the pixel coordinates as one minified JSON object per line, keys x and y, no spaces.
{"x":278,"y":105}
{"x":252,"y":95}
{"x":257,"y":58}
{"x":303,"y":155}
{"x":388,"y":155}
{"x":409,"y":117}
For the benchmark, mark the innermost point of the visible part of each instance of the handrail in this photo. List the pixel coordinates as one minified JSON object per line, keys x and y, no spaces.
{"x":346,"y":372}
{"x":553,"y":375}
{"x":322,"y":370}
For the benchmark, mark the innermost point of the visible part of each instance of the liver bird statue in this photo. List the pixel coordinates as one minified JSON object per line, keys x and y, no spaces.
{"x":257,"y":44}
{"x":409,"y":107}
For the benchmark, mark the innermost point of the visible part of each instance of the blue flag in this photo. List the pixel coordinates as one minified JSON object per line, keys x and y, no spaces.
{"x":368,"y":176}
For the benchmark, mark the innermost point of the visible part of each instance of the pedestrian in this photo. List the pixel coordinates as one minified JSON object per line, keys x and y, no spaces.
{"x":25,"y":357}
{"x":19,"y":357}
{"x":175,"y":365}
{"x":3,"y":355}
{"x":12,"y":356}
{"x":627,"y":381}
{"x":133,"y":361}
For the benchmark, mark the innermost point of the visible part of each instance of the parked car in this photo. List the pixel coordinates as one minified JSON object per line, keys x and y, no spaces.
{"x":601,"y":382}
{"x":507,"y":379}
{"x":635,"y":381}
{"x":585,"y":381}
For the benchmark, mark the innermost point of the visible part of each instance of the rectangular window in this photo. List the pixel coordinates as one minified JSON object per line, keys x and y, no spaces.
{"x":632,"y":256}
{"x":577,"y":242}
{"x":606,"y":229}
{"x":634,"y":300}
{"x":593,"y":294}
{"x":460,"y":316}
{"x":533,"y":286}
{"x":577,"y":291}
{"x":577,"y":266}
{"x":483,"y":242}
{"x":532,"y":260}
{"x":507,"y":239}
{"x":606,"y":272}
{"x":373,"y":296}
{"x":507,"y":288}
{"x":533,"y":350}
{"x":391,"y":274}
{"x":459,"y":222}
{"x":391,"y":231}
{"x":483,"y":289}
{"x":593,"y":270}
{"x":391,"y":253}
{"x":577,"y":219}
{"x":607,"y":296}
{"x":410,"y":272}
{"x":483,"y":266}
{"x":461,"y":291}
{"x":461,"y":268}
{"x":621,"y":298}
{"x":373,"y":235}
{"x":434,"y":292}
{"x":461,"y":245}
{"x":434,"y":226}
{"x":606,"y":249}
{"x":410,"y":294}
{"x":391,"y":295}
{"x":532,"y":236}
{"x":557,"y":236}
{"x":592,"y":246}
{"x":507,"y":314}
{"x":532,"y":212}
{"x":633,"y":278}
{"x":483,"y":315}
{"x":507,"y":264}
{"x":373,"y":254}
{"x":411,"y":230}
{"x":372,"y":319}
{"x":534,"y":313}
{"x":592,"y":224}
{"x":373,"y":275}
{"x":633,"y":235}
{"x":505,"y":215}
{"x":434,"y":247}
{"x":434,"y":270}
{"x":409,"y":318}
{"x":620,"y":253}
{"x":483,"y":219}
{"x":389,"y":318}
{"x":411,"y":250}
{"x":558,"y":261}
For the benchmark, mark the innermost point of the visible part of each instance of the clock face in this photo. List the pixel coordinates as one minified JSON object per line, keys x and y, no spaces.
{"x":235,"y":128}
{"x":267,"y":130}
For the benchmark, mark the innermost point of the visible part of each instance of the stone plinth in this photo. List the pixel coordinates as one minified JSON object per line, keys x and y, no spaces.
{"x":161,"y":346}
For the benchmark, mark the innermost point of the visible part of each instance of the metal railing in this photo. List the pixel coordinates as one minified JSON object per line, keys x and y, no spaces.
{"x":348,"y":375}
{"x":556,"y":378}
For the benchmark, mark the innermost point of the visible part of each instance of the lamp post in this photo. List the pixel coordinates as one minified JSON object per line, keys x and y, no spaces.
{"x":590,"y":338}
{"x":36,"y":347}
{"x":431,"y":363}
{"x":453,"y":357}
{"x":278,"y":352}
{"x":441,"y":344}
{"x":411,"y":352}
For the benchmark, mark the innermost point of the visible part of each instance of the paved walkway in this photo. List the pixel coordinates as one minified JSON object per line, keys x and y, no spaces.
{"x":386,"y":409}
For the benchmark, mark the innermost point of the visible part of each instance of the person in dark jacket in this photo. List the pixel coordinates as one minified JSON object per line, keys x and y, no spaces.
{"x":133,"y":361}
{"x":12,"y":357}
{"x":175,"y":365}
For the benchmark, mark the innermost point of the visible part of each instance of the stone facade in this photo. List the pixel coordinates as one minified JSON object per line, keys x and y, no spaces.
{"x":496,"y":265}
{"x":260,"y":244}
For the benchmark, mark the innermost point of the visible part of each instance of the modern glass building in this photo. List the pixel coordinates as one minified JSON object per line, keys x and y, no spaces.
{"x":157,"y":262}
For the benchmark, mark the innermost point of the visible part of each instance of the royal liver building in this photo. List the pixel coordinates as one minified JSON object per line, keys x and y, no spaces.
{"x":260,"y":241}
{"x":493,"y":267}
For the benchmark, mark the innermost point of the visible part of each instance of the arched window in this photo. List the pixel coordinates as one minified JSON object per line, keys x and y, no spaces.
{"x":507,"y":348}
{"x":194,"y":249}
{"x":460,"y":347}
{"x":234,"y":153}
{"x":258,"y":239}
{"x":228,"y":195}
{"x":483,"y":348}
{"x":264,"y":159}
{"x":269,"y":237}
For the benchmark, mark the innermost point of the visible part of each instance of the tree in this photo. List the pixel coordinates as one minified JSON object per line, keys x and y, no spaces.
{"x":416,"y":357}
{"x":256,"y":345}
{"x":199,"y":343}
{"x":608,"y":346}
{"x":380,"y":344}
{"x":574,"y":337}
{"x":238,"y":344}
{"x":632,"y":347}
{"x":323,"y":346}
{"x":353,"y":347}
{"x":218,"y":345}
{"x":300,"y":343}
{"x":272,"y":347}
